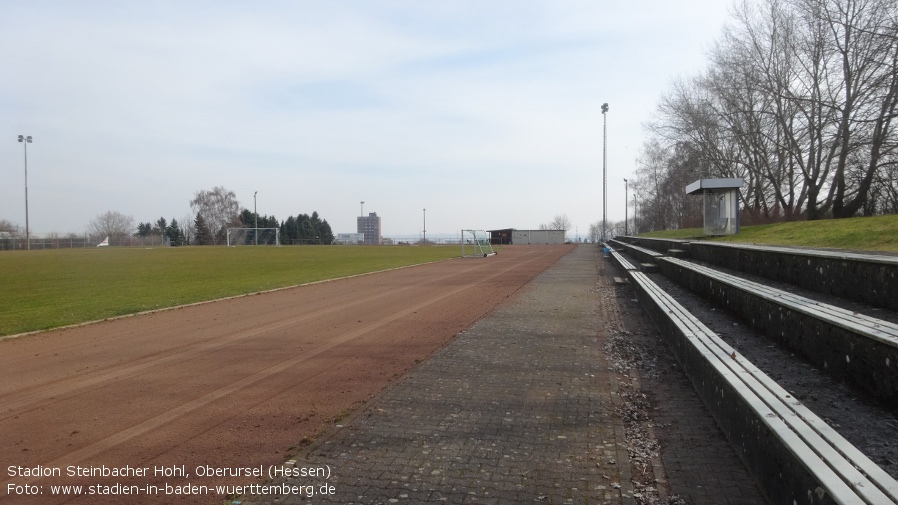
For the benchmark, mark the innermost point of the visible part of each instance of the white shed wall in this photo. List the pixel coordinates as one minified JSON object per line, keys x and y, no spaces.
{"x":537,"y":237}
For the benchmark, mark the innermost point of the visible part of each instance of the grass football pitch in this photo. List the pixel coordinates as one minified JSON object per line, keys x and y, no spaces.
{"x":48,"y":289}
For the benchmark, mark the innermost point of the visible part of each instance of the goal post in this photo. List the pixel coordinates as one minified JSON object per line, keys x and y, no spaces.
{"x":476,"y":244}
{"x":253,"y":236}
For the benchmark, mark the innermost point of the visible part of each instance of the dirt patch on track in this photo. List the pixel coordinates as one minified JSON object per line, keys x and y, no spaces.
{"x":241,"y":383}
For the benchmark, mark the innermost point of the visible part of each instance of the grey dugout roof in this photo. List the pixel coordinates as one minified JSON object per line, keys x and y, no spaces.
{"x":702,"y":185}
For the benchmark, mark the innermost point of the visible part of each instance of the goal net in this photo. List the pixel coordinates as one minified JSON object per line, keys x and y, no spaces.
{"x":254,"y":236}
{"x":476,"y":244}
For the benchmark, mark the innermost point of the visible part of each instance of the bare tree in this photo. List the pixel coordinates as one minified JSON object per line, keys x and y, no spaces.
{"x":560,"y":222}
{"x":662,"y":179}
{"x":595,"y":231}
{"x":188,"y":229}
{"x":219,"y":208}
{"x":864,"y":36}
{"x":9,"y":227}
{"x":111,"y":224}
{"x":800,"y":100}
{"x":650,"y":174}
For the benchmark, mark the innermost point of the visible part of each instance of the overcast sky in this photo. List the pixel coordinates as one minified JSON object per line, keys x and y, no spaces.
{"x":486,"y":113}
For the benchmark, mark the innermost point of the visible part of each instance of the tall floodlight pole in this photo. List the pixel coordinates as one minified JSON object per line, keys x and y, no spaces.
{"x":25,"y":141}
{"x":626,"y":208}
{"x":635,"y":214}
{"x":256,"y":214}
{"x":604,"y":168}
{"x":425,"y":227}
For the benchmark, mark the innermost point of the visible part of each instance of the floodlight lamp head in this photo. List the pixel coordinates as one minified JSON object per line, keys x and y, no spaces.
{"x":604,"y":108}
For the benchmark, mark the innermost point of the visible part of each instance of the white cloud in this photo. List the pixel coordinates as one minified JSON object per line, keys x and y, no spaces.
{"x":486,"y":113}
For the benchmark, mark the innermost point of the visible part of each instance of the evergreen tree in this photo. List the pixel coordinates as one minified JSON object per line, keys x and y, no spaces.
{"x":161,"y":226}
{"x":325,"y":233}
{"x":203,"y":233}
{"x":174,"y":233}
{"x":289,"y":230}
{"x":144,"y":229}
{"x":305,"y":229}
{"x":249,"y":220}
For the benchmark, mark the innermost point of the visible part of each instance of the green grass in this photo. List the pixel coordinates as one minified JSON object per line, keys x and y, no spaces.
{"x":48,"y":289}
{"x":879,"y":233}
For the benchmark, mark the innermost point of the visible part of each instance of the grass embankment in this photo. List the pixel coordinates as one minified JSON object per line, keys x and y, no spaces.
{"x":878,"y":233}
{"x":48,"y":289}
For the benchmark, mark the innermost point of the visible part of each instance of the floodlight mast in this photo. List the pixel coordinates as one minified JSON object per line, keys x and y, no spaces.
{"x":626,"y":207}
{"x":25,"y":141}
{"x":604,"y":168}
{"x":256,"y":215}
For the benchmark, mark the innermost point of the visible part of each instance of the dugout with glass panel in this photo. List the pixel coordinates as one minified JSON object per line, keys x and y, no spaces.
{"x":720,"y":204}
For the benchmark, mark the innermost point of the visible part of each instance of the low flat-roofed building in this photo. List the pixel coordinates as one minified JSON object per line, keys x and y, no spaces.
{"x":525,"y":237}
{"x":349,"y":238}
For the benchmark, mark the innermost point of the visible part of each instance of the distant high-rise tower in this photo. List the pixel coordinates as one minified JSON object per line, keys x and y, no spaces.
{"x":370,"y":226}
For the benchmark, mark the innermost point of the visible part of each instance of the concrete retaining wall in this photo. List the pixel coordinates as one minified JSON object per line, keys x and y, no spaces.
{"x":657,"y":244}
{"x":780,"y":473}
{"x":640,"y":255}
{"x":847,"y":355}
{"x":863,"y":278}
{"x":866,"y":278}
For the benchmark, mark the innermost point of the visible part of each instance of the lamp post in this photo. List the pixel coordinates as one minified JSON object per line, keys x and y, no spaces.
{"x":635,"y":214}
{"x":626,"y":208}
{"x":256,"y":215}
{"x":25,"y":141}
{"x":425,"y":227}
{"x":361,"y":226}
{"x":604,"y":168}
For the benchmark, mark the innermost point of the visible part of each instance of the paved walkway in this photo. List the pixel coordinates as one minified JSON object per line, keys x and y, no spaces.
{"x":517,"y":409}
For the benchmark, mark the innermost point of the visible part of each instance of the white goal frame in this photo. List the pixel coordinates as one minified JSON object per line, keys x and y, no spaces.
{"x":476,"y":244}
{"x":236,"y":236}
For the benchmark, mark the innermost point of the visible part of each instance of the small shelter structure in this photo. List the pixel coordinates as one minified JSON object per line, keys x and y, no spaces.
{"x":720,"y":204}
{"x":526,"y":237}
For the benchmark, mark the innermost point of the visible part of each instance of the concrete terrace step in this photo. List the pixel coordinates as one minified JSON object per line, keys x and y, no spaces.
{"x":623,"y":262}
{"x":640,"y":253}
{"x":867,"y":278}
{"x":852,"y":347}
{"x":646,"y":257}
{"x":878,"y":329}
{"x":765,"y":423}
